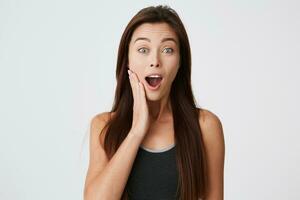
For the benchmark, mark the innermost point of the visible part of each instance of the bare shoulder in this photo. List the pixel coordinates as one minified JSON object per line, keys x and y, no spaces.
{"x":210,"y":123}
{"x":98,"y":122}
{"x":101,"y":117}
{"x":213,"y":139}
{"x":97,"y":158}
{"x":212,"y":129}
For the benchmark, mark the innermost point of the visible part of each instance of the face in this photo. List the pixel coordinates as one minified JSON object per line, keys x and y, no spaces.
{"x":154,"y":49}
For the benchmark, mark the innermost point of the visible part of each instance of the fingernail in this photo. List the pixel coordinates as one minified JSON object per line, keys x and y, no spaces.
{"x":129,"y":72}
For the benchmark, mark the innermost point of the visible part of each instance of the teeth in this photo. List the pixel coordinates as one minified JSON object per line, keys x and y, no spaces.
{"x":154,"y":76}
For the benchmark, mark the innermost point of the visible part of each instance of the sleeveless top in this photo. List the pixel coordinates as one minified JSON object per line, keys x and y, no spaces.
{"x":154,"y":175}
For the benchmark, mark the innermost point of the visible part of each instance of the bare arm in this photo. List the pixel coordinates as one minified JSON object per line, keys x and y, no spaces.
{"x":107,"y":179}
{"x":214,"y":142}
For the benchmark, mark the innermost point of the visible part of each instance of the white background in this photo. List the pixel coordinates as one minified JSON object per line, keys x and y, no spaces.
{"x":57,"y":70}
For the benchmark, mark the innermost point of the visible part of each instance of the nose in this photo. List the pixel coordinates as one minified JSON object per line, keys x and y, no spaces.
{"x":154,"y":65}
{"x":155,"y":61}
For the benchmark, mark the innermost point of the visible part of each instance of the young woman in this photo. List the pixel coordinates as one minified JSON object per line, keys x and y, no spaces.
{"x":155,"y":143}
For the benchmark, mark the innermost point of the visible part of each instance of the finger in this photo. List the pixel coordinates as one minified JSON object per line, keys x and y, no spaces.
{"x":130,"y":79}
{"x":135,"y":81}
{"x":142,"y":89}
{"x":135,"y":77}
{"x":132,"y":84}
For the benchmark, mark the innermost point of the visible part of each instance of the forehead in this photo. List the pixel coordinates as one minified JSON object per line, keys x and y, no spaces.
{"x":154,"y":31}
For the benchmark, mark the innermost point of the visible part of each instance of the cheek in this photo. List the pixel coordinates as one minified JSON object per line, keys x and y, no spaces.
{"x":135,"y":67}
{"x":137,"y":70}
{"x":135,"y":61}
{"x":136,"y":64}
{"x":172,"y":66}
{"x":172,"y":74}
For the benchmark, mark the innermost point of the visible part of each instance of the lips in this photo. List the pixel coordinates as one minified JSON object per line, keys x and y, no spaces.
{"x":153,"y":81}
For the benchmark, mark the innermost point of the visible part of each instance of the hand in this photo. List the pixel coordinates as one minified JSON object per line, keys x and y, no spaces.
{"x":141,"y":119}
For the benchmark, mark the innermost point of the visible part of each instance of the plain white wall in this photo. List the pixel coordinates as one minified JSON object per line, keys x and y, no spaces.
{"x":57,"y":62}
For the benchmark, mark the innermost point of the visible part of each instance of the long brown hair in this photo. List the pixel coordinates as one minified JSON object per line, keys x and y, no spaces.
{"x":190,"y":152}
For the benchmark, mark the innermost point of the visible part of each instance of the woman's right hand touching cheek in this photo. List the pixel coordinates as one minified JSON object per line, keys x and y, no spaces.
{"x":140,"y":119}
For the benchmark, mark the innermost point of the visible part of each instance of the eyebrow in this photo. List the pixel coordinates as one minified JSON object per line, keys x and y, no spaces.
{"x":163,"y":40}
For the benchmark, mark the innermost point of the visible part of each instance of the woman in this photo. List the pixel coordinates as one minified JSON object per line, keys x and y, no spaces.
{"x":155,"y":143}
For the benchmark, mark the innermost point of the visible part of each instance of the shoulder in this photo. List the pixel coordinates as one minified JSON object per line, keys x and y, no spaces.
{"x":100,"y":118}
{"x":98,"y":122}
{"x":208,"y":119}
{"x":214,"y":144}
{"x":211,"y":128}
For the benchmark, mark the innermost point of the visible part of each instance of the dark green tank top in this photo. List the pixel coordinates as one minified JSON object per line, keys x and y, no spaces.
{"x":154,"y":175}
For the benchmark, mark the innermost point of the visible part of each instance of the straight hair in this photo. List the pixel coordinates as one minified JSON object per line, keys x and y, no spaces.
{"x":190,"y":152}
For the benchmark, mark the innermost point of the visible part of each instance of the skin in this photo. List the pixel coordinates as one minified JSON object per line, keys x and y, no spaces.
{"x":142,"y":54}
{"x":164,"y":56}
{"x":213,"y":138}
{"x":214,"y":143}
{"x":161,"y":133}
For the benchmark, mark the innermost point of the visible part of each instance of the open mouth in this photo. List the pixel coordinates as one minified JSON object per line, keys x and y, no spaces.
{"x":153,"y":80}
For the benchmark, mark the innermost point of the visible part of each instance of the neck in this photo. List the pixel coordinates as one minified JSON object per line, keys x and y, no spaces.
{"x":160,"y":110}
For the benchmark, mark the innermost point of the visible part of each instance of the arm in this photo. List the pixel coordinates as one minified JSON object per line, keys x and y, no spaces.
{"x":107,"y":179}
{"x":214,"y":143}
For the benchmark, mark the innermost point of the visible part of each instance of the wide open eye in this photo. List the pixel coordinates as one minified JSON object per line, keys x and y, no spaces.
{"x":142,"y":50}
{"x":169,"y":50}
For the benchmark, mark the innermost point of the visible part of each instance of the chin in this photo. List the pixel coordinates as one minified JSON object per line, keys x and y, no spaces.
{"x":153,"y":97}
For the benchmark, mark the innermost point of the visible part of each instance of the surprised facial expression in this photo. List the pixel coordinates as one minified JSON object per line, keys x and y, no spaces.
{"x":154,"y":56}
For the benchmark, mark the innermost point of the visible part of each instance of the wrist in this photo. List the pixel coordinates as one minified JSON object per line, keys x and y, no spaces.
{"x":136,"y":134}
